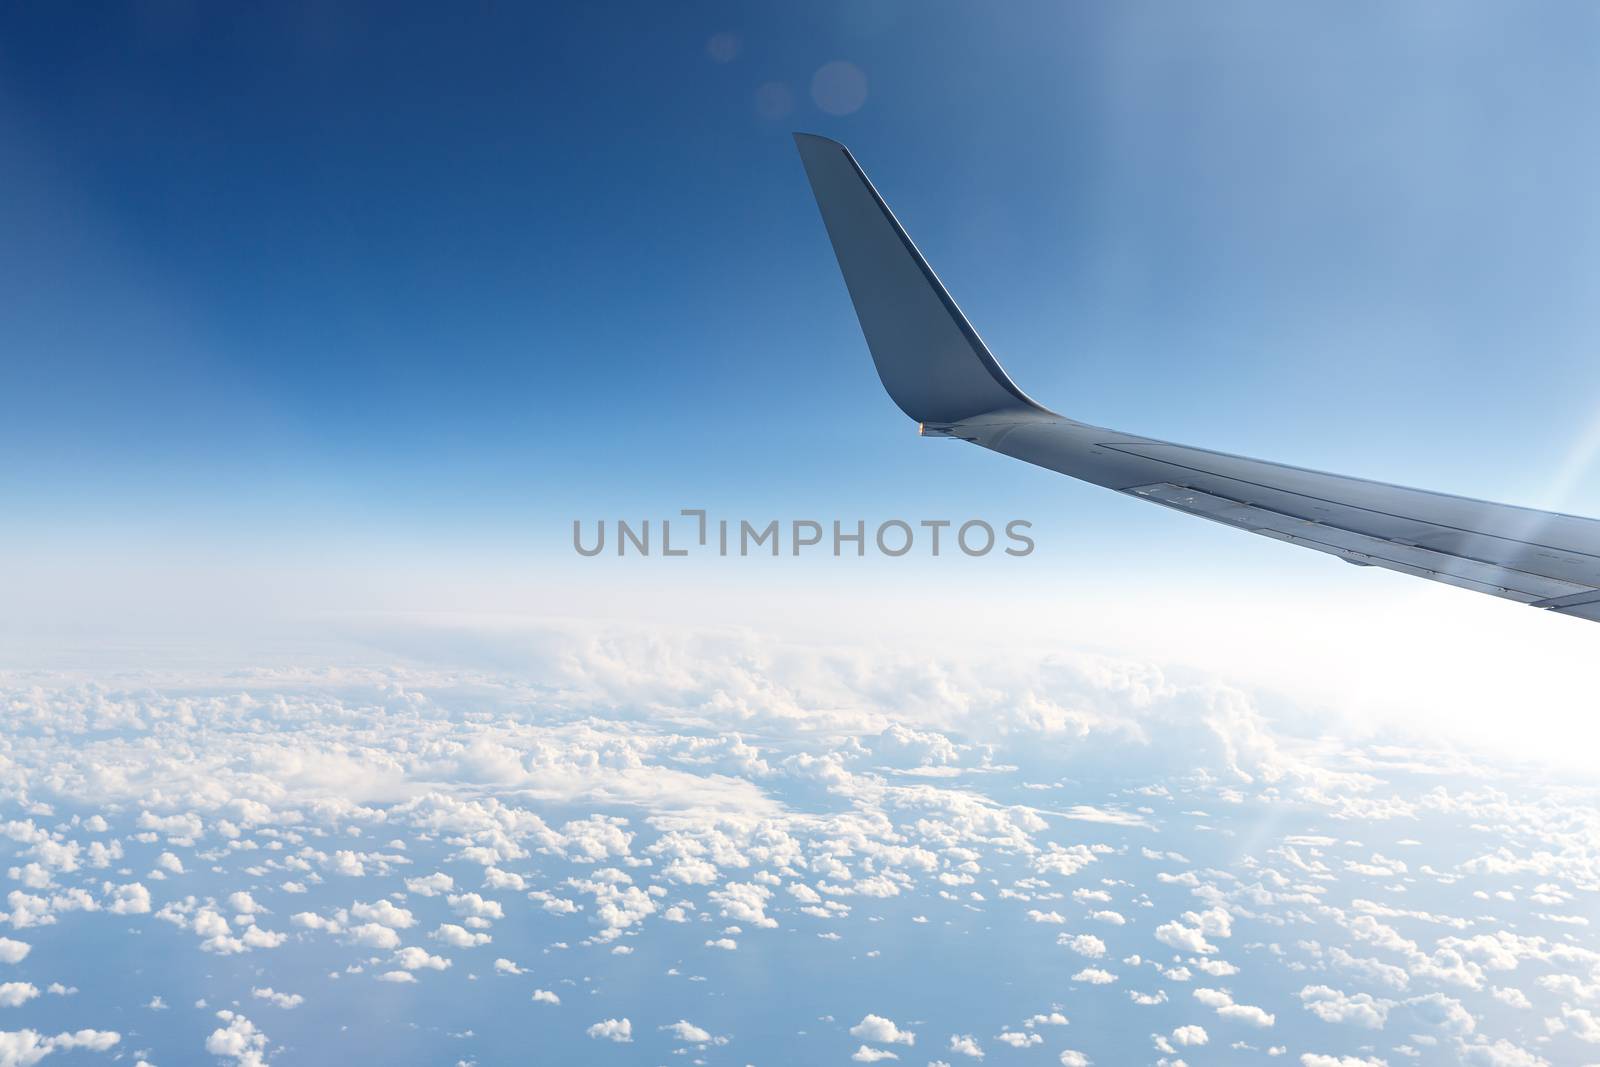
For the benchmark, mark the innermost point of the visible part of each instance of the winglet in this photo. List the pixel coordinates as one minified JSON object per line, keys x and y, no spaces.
{"x":931,"y":361}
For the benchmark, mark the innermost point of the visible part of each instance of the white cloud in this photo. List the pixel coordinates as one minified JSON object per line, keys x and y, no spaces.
{"x":545,"y":996}
{"x":384,"y":913}
{"x":430,"y":885}
{"x":458,"y":937}
{"x":282,"y":1000}
{"x":14,"y":994}
{"x":868,"y":1054}
{"x":1084,"y":945}
{"x":1500,"y":1053}
{"x":966,"y":1045}
{"x":238,"y":1040}
{"x":288,"y":777}
{"x":687,"y":1032}
{"x":257,"y":937}
{"x":882,"y":1031}
{"x":1190,"y":1035}
{"x":1094,"y":976}
{"x":619,"y":1030}
{"x":242,"y":903}
{"x":744,"y":902}
{"x":471,"y":904}
{"x":13,"y":951}
{"x":373,"y":935}
{"x":347,"y":863}
{"x":412,"y":958}
{"x":1333,"y":1006}
{"x":1184,"y":938}
{"x":1512,"y":996}
{"x":1582,"y":1023}
{"x":130,"y":899}
{"x":1223,"y":1003}
{"x":23,"y":1048}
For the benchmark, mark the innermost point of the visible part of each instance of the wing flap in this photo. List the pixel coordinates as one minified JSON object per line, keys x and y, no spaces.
{"x":1563,"y":549}
{"x":1365,"y":549}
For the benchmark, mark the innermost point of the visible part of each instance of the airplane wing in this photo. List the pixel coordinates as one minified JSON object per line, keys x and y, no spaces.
{"x":938,"y":370}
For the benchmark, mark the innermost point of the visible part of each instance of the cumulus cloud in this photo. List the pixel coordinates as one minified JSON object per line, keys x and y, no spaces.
{"x":373,"y":935}
{"x":384,"y":913}
{"x":238,"y":1040}
{"x":1189,"y":933}
{"x":23,"y":1048}
{"x":882,"y":1031}
{"x":744,"y":902}
{"x":966,"y":1045}
{"x":272,"y":996}
{"x":456,"y":936}
{"x":130,"y":899}
{"x":1333,"y":1006}
{"x":14,"y":994}
{"x":1223,"y":1003}
{"x":1084,"y":945}
{"x":619,"y":1030}
{"x":430,"y":885}
{"x":474,"y":906}
{"x":688,"y":1033}
{"x":717,"y":794}
{"x":1094,"y":976}
{"x":242,"y":903}
{"x":412,"y":958}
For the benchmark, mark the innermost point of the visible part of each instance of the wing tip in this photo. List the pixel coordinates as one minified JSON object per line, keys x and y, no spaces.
{"x":801,"y":137}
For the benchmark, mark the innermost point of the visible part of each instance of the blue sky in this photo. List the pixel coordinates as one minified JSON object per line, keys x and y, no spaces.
{"x":427,"y":268}
{"x":316,"y":311}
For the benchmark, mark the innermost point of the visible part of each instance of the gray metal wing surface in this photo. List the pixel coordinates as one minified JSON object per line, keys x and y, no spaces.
{"x":937,"y":369}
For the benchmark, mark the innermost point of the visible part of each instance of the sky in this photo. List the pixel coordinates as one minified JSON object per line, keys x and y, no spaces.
{"x":307,"y":272}
{"x":325,"y":317}
{"x":318,"y":312}
{"x":324,"y":323}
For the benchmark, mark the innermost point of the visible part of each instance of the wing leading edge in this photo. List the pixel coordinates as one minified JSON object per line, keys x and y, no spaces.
{"x":938,"y":371}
